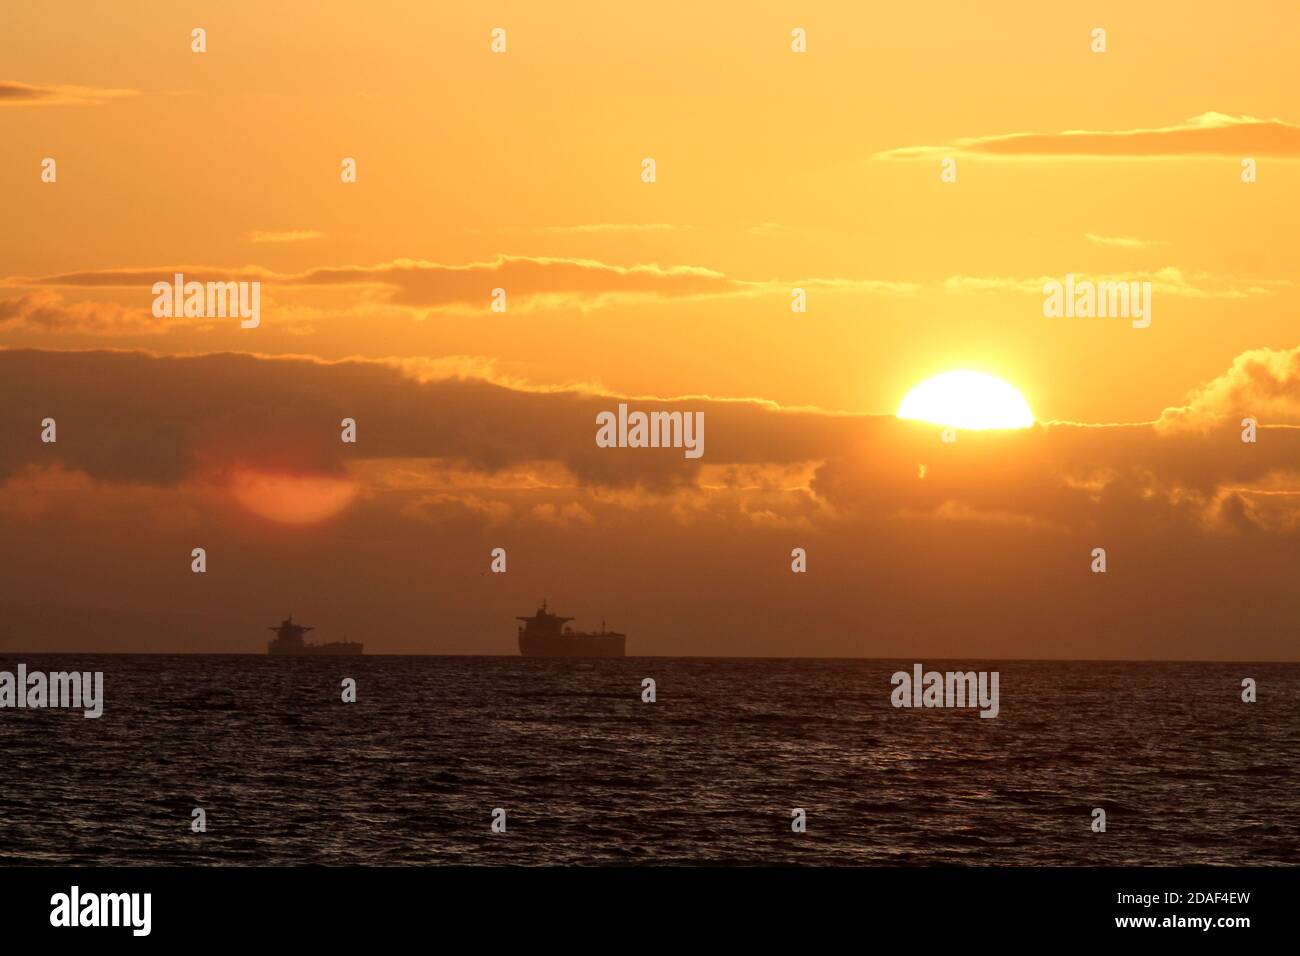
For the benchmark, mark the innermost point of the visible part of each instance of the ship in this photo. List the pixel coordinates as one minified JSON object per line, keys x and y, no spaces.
{"x":288,"y":641}
{"x":544,"y":635}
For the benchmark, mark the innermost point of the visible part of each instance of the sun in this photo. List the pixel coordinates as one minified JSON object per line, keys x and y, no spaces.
{"x":970,"y":400}
{"x":291,"y":498}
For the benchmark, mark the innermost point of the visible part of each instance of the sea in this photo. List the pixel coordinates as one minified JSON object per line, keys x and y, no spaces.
{"x":576,"y":767}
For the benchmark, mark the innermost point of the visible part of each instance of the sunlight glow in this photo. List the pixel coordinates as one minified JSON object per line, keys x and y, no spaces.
{"x":292,"y":498}
{"x":970,"y":400}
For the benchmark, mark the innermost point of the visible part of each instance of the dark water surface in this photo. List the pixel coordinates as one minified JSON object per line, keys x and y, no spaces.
{"x":410,"y":774}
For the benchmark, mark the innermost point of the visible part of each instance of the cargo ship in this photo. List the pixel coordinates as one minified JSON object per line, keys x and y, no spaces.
{"x":544,"y":635}
{"x":288,"y":641}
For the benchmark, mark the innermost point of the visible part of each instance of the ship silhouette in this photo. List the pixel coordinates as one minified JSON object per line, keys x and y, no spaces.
{"x":544,"y":635}
{"x":288,"y":641}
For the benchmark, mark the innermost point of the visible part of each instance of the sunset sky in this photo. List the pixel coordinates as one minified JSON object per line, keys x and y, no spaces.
{"x":775,"y":170}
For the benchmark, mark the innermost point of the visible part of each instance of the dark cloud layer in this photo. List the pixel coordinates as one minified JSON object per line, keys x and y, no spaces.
{"x":980,"y":547}
{"x":133,"y":416}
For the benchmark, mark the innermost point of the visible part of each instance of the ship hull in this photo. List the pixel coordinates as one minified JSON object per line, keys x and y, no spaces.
{"x":338,"y":649}
{"x":572,"y":645}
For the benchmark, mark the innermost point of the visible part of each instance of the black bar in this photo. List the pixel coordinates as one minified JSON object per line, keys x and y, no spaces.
{"x":634,"y":908}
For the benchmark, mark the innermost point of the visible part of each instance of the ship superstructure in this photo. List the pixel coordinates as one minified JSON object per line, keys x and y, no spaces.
{"x":544,"y":635}
{"x":288,"y":640}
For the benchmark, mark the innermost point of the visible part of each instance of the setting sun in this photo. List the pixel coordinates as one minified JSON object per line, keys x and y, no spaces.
{"x":971,"y":400}
{"x":290,"y":498}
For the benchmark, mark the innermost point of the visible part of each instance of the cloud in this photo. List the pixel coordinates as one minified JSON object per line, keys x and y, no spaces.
{"x":535,"y":281}
{"x":606,"y":227}
{"x":160,"y":419}
{"x":1170,"y":281}
{"x":1122,"y":242}
{"x":1210,"y":134}
{"x":1067,"y":478}
{"x":294,"y":235}
{"x":165,"y":419}
{"x":458,"y":510}
{"x":146,"y":277}
{"x":14,"y":93}
{"x":46,"y":311}
{"x":563,"y":516}
{"x":556,"y":282}
{"x":417,"y":287}
{"x":1262,"y":383}
{"x":429,"y":284}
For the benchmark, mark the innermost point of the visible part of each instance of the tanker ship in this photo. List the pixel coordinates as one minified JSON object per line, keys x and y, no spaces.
{"x":288,"y":641}
{"x":544,"y":635}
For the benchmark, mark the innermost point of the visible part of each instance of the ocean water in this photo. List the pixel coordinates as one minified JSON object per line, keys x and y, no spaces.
{"x":708,"y":774}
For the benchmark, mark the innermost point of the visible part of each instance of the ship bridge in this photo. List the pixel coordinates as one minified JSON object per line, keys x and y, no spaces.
{"x":543,"y":622}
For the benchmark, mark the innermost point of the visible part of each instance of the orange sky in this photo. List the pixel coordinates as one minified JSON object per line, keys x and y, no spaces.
{"x":775,"y":170}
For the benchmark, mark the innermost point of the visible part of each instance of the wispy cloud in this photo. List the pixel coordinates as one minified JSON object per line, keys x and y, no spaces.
{"x":1122,"y":242}
{"x":1210,"y":134}
{"x":46,"y":311}
{"x":535,"y":281}
{"x":126,"y":277}
{"x":1167,"y":281}
{"x":14,"y":93}
{"x":605,"y":227}
{"x":294,"y":235}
